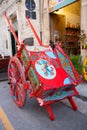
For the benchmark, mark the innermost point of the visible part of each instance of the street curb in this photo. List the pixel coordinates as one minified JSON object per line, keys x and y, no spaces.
{"x":3,"y":80}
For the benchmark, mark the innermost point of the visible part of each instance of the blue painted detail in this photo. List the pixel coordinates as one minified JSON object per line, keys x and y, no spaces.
{"x":45,"y":69}
{"x":63,"y":3}
{"x":14,"y":97}
{"x":51,"y":54}
{"x":67,"y":81}
{"x":59,"y":95}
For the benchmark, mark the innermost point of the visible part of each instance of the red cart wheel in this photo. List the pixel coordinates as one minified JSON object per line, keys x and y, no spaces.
{"x":17,"y":79}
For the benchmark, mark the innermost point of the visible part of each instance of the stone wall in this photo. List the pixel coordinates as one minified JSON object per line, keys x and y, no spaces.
{"x":24,"y":31}
{"x":45,"y":23}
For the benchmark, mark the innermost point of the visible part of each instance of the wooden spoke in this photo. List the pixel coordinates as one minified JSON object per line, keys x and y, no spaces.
{"x":17,"y":80}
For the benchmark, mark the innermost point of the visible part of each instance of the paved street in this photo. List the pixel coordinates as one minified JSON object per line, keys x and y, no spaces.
{"x":3,"y":76}
{"x":81,"y":99}
{"x":34,"y":117}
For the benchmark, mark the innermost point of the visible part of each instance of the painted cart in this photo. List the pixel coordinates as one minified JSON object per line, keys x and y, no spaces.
{"x":48,"y":75}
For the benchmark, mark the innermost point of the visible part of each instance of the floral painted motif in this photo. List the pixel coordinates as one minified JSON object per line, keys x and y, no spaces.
{"x":65,"y":63}
{"x":45,"y":69}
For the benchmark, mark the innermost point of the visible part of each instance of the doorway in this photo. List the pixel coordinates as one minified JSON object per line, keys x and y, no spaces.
{"x":14,"y":21}
{"x":57,"y":24}
{"x":66,"y":20}
{"x":13,"y":43}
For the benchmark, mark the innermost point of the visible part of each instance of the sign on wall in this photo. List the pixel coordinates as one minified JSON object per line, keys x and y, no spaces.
{"x":57,"y":4}
{"x":30,"y":5}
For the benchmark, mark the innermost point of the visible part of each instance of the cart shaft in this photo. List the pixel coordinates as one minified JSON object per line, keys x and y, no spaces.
{"x":12,"y":29}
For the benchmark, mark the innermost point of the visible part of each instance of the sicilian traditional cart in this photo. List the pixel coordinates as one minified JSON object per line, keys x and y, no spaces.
{"x":48,"y":75}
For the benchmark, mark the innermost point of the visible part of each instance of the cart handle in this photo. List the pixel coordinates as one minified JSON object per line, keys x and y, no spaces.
{"x":36,"y":35}
{"x":12,"y":29}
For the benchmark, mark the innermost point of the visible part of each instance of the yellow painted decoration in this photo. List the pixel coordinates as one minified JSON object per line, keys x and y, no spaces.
{"x":5,"y":120}
{"x":84,"y":69}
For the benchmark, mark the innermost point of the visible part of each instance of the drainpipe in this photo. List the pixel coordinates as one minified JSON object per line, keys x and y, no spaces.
{"x":41,"y":12}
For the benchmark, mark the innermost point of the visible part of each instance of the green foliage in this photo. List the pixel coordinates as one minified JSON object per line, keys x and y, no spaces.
{"x":76,"y":61}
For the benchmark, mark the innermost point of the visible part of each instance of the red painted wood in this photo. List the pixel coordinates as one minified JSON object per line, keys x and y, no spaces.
{"x":17,"y":79}
{"x":36,"y":35}
{"x":12,"y":29}
{"x":73,"y":104}
{"x":49,"y":110}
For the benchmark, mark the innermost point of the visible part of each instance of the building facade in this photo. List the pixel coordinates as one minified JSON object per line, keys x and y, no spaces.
{"x":16,"y":11}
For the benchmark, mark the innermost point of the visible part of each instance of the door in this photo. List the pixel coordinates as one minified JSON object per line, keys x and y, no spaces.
{"x":13,"y":43}
{"x":57,"y":23}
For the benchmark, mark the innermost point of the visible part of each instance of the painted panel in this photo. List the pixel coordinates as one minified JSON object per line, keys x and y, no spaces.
{"x":25,"y":58}
{"x":33,"y":79}
{"x":59,"y":95}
